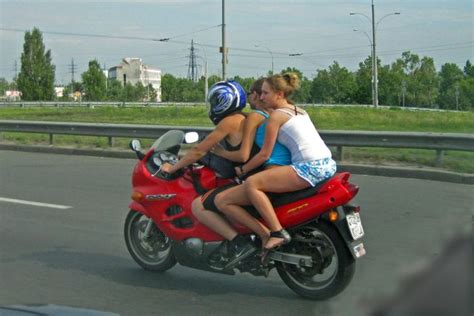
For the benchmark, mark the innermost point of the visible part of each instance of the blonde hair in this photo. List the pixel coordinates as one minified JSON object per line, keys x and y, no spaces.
{"x":287,"y":83}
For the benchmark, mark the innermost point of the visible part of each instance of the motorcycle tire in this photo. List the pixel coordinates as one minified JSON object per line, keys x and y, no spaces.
{"x":155,"y":253}
{"x":304,"y":281}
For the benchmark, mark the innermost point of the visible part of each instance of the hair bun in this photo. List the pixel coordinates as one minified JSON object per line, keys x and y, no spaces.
{"x":292,"y":79}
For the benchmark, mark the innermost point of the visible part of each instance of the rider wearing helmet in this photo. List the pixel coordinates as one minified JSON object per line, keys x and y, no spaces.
{"x":227,"y":99}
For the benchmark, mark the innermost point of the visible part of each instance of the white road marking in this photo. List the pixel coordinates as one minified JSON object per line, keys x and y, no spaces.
{"x":63,"y":207}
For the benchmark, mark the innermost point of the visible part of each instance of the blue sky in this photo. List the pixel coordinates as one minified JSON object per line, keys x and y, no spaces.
{"x":322,"y":31}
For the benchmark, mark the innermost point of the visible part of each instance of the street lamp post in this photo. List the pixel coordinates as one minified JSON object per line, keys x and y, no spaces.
{"x":223,"y":48}
{"x":375,"y":84}
{"x":271,"y":54}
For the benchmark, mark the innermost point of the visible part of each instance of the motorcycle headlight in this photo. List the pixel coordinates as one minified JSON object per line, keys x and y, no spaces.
{"x":169,"y":157}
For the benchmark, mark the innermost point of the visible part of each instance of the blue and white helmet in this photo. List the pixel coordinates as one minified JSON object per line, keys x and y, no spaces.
{"x":225,"y":97}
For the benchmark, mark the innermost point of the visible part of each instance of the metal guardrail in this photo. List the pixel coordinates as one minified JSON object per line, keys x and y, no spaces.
{"x":133,"y":104}
{"x":90,"y":104}
{"x":340,"y":139}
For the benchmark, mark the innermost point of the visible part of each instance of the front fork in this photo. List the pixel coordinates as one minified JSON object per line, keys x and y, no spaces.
{"x":148,"y":228}
{"x":139,"y":208}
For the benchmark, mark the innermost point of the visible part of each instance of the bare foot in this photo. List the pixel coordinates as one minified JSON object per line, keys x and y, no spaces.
{"x":274,"y":242}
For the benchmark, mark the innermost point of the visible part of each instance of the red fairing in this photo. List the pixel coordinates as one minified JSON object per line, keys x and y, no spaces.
{"x":334,"y":193}
{"x":183,"y":194}
{"x":337,"y":191}
{"x":168,"y":202}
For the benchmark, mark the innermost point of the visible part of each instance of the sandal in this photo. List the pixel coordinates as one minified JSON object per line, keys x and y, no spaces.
{"x":281,"y":234}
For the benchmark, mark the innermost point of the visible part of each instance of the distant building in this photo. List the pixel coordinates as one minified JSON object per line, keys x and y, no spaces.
{"x":59,"y":92}
{"x":133,"y":70}
{"x":13,"y":95}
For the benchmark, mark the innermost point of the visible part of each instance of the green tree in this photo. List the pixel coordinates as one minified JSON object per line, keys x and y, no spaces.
{"x":388,"y":88}
{"x":3,"y":86}
{"x":392,"y":79}
{"x":363,"y":80}
{"x":36,"y":77}
{"x":336,"y":85}
{"x":411,"y":64}
{"x":466,"y":94}
{"x":114,"y":90}
{"x":428,"y":82}
{"x":168,"y":87}
{"x":420,"y":77}
{"x":467,"y":88}
{"x":469,"y":69}
{"x":450,"y":77}
{"x":140,"y":92}
{"x":151,"y":93}
{"x":320,"y":88}
{"x":94,"y":82}
{"x":129,"y":93}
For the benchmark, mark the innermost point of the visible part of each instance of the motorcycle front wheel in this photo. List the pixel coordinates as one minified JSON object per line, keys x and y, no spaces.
{"x":333,"y":265}
{"x":153,"y":252}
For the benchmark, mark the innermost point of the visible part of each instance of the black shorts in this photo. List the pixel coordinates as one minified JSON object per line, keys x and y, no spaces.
{"x":208,"y":198}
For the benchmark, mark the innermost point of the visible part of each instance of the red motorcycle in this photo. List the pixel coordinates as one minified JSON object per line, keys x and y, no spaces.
{"x":160,"y":229}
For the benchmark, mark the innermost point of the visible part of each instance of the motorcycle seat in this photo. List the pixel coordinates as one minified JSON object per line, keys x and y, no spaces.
{"x":279,"y":199}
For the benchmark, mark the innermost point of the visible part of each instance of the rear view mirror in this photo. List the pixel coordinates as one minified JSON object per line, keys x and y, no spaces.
{"x":135,"y":145}
{"x":191,"y":137}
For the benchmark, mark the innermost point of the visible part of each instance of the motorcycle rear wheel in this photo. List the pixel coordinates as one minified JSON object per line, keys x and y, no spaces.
{"x":333,"y":264}
{"x":155,"y":253}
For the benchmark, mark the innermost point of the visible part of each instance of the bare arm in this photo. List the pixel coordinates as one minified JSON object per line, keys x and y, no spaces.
{"x":197,"y":152}
{"x":252,"y":121}
{"x":275,"y":121}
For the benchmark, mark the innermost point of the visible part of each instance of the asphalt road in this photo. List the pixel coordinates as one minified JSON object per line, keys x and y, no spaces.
{"x":77,"y":256}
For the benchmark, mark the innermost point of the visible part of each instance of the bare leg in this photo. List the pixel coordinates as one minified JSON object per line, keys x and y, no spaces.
{"x":229,"y":201}
{"x":278,"y":180}
{"x":212,"y":220}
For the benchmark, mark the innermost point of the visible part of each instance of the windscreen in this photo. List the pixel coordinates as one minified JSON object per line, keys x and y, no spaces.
{"x":169,"y":141}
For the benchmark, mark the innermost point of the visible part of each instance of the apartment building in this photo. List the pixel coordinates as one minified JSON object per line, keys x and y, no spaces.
{"x":133,"y":70}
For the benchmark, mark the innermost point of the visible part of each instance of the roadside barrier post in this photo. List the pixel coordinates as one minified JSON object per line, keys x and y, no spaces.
{"x":439,"y":157}
{"x":339,"y":153}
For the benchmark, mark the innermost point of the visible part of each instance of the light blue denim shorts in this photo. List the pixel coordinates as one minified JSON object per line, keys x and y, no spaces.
{"x":315,"y":171}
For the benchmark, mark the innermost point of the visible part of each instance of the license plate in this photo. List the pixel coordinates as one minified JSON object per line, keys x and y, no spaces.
{"x":355,"y":225}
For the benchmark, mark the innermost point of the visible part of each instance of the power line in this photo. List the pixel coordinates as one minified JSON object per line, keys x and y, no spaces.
{"x":169,"y":39}
{"x":164,"y":39}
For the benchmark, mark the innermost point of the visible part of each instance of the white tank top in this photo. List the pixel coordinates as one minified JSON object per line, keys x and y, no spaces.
{"x":299,"y":135}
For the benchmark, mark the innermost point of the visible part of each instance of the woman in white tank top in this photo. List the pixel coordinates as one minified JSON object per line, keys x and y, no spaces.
{"x":311,"y":158}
